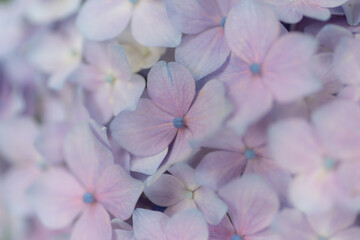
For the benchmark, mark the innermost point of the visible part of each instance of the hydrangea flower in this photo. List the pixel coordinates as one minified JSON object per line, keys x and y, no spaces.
{"x":292,"y":11}
{"x":93,"y":187}
{"x":331,"y":225}
{"x":172,"y":114}
{"x":100,"y":20}
{"x":252,"y":208}
{"x":179,"y":192}
{"x":204,"y":48}
{"x":187,"y":225}
{"x":57,"y":54}
{"x":108,"y":81}
{"x":237,"y":155}
{"x":317,"y":152}
{"x":259,"y":71}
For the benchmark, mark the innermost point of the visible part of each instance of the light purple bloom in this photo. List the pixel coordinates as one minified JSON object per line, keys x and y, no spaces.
{"x":204,"y":48}
{"x":110,"y":87}
{"x":100,"y":20}
{"x":179,"y":192}
{"x":252,"y":208}
{"x":187,"y":225}
{"x":260,"y":72}
{"x":172,"y":114}
{"x":94,"y":187}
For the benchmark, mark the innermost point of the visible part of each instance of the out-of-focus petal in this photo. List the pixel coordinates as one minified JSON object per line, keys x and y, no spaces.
{"x":151,"y":26}
{"x":149,"y":224}
{"x":294,"y":146}
{"x":85,"y":154}
{"x":94,"y":224}
{"x":251,"y":28}
{"x":253,"y":205}
{"x":100,"y":20}
{"x":193,"y":17}
{"x":57,"y":198}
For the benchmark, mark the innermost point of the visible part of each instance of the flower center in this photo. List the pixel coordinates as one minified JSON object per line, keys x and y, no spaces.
{"x":133,"y":1}
{"x":255,"y":68}
{"x":88,"y":198}
{"x":223,"y":21}
{"x":329,"y":164}
{"x":236,"y":237}
{"x":189,"y":194}
{"x":110,"y":79}
{"x":249,"y":154}
{"x":178,"y":122}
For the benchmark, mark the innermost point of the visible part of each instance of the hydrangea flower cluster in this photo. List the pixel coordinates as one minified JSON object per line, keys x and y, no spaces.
{"x":180,"y":120}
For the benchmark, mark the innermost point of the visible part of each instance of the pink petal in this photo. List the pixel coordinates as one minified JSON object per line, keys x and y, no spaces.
{"x":292,"y":224}
{"x":330,"y":36}
{"x":288,"y":74}
{"x":149,"y":224}
{"x":171,"y":87}
{"x":147,"y":165}
{"x":85,"y":154}
{"x":185,"y":174}
{"x":149,"y":14}
{"x":251,"y":28}
{"x":252,"y":101}
{"x":57,"y":198}
{"x":100,"y":103}
{"x":224,"y":230}
{"x":117,"y":191}
{"x":203,"y":53}
{"x":146,"y":131}
{"x":94,"y":224}
{"x":100,"y":20}
{"x":225,"y":139}
{"x":208,"y":111}
{"x":14,"y":186}
{"x":338,"y":127}
{"x":118,"y":62}
{"x":181,"y":206}
{"x":50,"y":142}
{"x":127,"y":93}
{"x":294,"y":146}
{"x":88,"y":77}
{"x":252,"y":204}
{"x":348,"y":234}
{"x":15,"y":134}
{"x":193,"y":17}
{"x":188,"y":225}
{"x":346,"y":61}
{"x":166,"y":191}
{"x":330,"y":222}
{"x":219,"y":167}
{"x":211,"y":206}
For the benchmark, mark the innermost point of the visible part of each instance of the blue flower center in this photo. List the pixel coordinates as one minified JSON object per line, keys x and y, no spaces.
{"x":133,"y":1}
{"x":88,"y":198}
{"x":236,"y":237}
{"x":223,"y":21}
{"x":322,"y":238}
{"x":249,"y":154}
{"x":178,"y":122}
{"x":329,"y":164}
{"x":110,"y":79}
{"x":255,"y":68}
